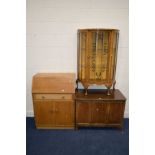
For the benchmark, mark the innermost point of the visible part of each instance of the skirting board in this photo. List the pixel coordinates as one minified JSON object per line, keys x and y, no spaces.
{"x":31,"y":114}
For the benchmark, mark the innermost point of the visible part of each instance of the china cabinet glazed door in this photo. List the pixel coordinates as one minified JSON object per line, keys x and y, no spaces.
{"x":82,"y":56}
{"x":97,"y":55}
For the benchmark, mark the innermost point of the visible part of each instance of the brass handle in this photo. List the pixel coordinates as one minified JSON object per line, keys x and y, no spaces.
{"x":43,"y":97}
{"x":63,"y":97}
{"x":62,"y":90}
{"x":99,"y":98}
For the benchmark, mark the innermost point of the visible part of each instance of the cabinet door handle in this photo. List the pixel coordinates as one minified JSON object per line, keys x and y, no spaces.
{"x":99,"y":98}
{"x":56,"y":110}
{"x":97,"y":109}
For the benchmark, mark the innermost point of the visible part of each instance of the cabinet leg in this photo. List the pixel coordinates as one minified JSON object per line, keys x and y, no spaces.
{"x":86,"y":91}
{"x":76,"y":127}
{"x":114,"y":85}
{"x":108,"y":91}
{"x":76,"y":85}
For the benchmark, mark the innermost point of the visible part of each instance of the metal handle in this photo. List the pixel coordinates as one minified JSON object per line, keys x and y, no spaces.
{"x":63,"y":97}
{"x":43,"y":97}
{"x":97,"y":109}
{"x":99,"y":98}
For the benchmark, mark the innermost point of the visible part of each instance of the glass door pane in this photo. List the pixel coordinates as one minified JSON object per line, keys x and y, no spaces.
{"x":99,"y":55}
{"x":82,"y":54}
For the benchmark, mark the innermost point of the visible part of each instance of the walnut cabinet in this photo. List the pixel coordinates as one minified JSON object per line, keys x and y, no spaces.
{"x":100,"y":110}
{"x":97,"y":57}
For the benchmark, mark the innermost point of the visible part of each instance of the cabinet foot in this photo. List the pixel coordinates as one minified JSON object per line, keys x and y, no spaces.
{"x":108,"y":91}
{"x":76,"y":128}
{"x":86,"y":91}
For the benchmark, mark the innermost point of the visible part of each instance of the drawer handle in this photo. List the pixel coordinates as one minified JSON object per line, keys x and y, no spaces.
{"x":63,"y":97}
{"x":62,"y":90}
{"x":43,"y":97}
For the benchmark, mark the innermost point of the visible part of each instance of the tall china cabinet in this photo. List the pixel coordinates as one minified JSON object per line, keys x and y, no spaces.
{"x":97,"y":57}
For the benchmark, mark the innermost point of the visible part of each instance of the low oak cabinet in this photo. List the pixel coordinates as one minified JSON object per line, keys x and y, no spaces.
{"x":53,"y":100}
{"x":99,"y":110}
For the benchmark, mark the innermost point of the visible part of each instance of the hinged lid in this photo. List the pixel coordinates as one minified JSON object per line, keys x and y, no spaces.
{"x":53,"y":83}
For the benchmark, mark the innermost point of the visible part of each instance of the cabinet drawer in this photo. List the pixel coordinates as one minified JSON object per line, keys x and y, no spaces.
{"x":53,"y":96}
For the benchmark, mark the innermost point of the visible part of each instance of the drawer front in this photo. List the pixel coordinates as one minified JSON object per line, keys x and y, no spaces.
{"x":53,"y":96}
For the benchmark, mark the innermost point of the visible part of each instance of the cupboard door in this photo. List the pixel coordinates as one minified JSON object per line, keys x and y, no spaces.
{"x":116,"y":111}
{"x":83,"y":112}
{"x":44,"y":113}
{"x":64,"y":113}
{"x":98,"y":113}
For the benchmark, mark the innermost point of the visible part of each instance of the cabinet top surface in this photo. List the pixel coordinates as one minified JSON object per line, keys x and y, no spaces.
{"x":99,"y":95}
{"x":97,"y":29}
{"x":46,"y":75}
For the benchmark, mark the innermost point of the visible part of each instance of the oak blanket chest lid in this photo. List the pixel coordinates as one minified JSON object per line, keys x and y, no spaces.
{"x":94,"y":94}
{"x":53,"y":83}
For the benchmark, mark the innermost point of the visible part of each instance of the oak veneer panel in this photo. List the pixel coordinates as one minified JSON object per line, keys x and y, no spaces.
{"x":64,"y":113}
{"x":44,"y":113}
